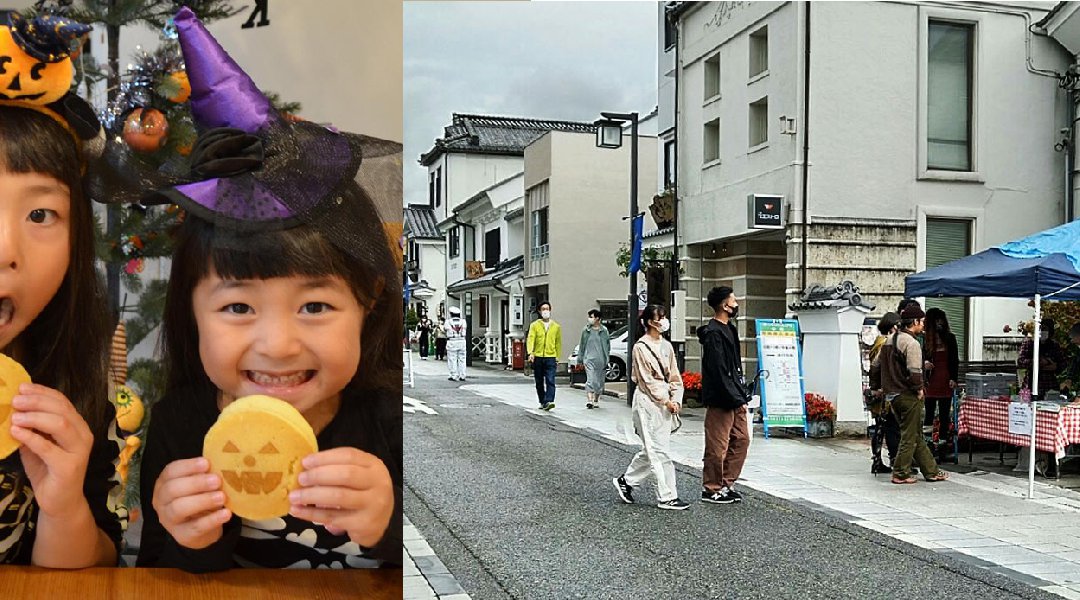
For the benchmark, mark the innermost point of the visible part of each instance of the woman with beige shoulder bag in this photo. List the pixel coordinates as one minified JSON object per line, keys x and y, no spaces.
{"x":656,"y":405}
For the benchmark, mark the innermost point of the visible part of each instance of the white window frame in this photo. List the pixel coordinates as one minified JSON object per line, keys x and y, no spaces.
{"x":752,"y":147}
{"x":976,"y":216}
{"x":975,"y":19}
{"x":755,"y":35}
{"x":711,"y":66}
{"x":706,"y":161}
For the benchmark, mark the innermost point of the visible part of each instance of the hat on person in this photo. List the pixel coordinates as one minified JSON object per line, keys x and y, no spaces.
{"x":912,"y":312}
{"x":887,"y":322}
{"x":455,"y":310}
{"x":253,"y":170}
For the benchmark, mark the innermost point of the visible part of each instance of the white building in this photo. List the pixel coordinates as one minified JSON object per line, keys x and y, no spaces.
{"x":474,"y":179}
{"x":902,"y":134}
{"x":425,"y":261}
{"x":576,"y":198}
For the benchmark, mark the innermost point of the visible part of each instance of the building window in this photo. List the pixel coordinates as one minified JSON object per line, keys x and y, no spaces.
{"x":414,"y":254}
{"x":669,"y":164}
{"x":712,"y":76}
{"x":438,"y":187}
{"x":759,"y":122}
{"x":492,"y":241}
{"x":455,"y":242}
{"x":950,"y":51}
{"x":431,"y":189}
{"x":711,"y":142}
{"x":671,"y":35}
{"x":540,"y":232}
{"x":483,"y":308}
{"x":759,"y":51}
{"x":948,"y":240}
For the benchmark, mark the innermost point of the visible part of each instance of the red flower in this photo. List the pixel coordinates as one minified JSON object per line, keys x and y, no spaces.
{"x":818,"y":408}
{"x":691,"y":380}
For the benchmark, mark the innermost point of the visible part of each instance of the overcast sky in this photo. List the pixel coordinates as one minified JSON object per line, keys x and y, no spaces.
{"x":548,"y":60}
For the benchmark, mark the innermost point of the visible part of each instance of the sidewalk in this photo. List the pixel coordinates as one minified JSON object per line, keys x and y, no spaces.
{"x":979,"y":517}
{"x":424,"y":576}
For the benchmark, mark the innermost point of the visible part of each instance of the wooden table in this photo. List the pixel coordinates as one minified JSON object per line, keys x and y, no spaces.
{"x":17,"y":583}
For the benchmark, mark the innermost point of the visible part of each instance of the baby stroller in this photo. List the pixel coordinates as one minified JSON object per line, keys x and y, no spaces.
{"x":884,"y":423}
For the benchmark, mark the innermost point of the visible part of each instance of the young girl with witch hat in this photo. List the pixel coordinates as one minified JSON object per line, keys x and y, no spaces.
{"x":53,"y":319}
{"x":281,"y":275}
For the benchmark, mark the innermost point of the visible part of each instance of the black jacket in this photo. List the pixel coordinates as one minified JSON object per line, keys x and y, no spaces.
{"x":722,"y":381}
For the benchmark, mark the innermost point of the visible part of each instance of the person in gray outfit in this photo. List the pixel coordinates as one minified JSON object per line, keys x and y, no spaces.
{"x":593,"y":352}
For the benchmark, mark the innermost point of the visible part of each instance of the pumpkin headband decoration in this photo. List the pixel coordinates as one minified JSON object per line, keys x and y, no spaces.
{"x":36,"y":70}
{"x":251,"y":169}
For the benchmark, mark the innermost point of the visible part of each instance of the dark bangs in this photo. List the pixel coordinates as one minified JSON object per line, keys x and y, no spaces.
{"x":201,"y":247}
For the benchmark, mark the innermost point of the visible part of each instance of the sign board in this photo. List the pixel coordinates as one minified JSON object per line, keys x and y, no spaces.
{"x":474,"y":269}
{"x":766,"y":211}
{"x":782,"y":389}
{"x":1020,"y":419}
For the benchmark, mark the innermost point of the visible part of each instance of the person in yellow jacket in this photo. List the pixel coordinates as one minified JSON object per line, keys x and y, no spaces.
{"x":544,"y":345}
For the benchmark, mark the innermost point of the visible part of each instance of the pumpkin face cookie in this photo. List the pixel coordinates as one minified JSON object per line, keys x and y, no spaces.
{"x":12,"y":374}
{"x":256,"y":447}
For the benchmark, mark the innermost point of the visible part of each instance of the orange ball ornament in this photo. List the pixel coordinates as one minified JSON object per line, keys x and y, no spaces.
{"x":145,"y":130}
{"x":181,"y":80}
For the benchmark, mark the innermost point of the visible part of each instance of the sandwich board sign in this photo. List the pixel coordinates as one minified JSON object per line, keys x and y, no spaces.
{"x":779,"y":353}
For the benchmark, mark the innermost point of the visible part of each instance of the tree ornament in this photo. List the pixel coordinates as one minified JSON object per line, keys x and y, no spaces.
{"x":145,"y":130}
{"x":180,"y":79}
{"x":118,"y":355}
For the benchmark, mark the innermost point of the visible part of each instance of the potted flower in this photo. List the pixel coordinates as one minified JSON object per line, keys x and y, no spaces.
{"x":820,"y":416}
{"x":691,"y":381}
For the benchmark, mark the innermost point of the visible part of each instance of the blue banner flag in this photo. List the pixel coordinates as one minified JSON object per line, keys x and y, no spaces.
{"x":635,"y":251}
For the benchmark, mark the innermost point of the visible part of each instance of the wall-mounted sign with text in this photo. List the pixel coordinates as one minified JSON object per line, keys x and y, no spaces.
{"x":766,"y":211}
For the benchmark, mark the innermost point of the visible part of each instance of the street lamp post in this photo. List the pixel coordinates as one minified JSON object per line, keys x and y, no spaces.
{"x":609,"y":134}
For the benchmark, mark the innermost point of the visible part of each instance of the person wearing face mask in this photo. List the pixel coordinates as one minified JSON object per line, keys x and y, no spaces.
{"x":897,"y":371}
{"x":544,"y":345}
{"x":941,"y":362}
{"x":1051,"y":358}
{"x":593,"y":352}
{"x":657,"y":399}
{"x":725,"y":395}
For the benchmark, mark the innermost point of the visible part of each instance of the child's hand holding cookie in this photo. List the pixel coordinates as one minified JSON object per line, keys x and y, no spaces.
{"x":347,"y":491}
{"x":190,"y":504}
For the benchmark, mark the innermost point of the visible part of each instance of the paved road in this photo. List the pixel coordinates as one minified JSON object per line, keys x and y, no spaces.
{"x":520,"y":506}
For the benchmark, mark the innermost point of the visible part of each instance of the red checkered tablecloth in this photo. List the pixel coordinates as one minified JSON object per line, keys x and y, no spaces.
{"x":989,"y":419}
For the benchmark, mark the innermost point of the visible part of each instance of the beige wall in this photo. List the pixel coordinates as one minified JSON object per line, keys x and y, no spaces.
{"x":341,"y":59}
{"x":589,"y":194}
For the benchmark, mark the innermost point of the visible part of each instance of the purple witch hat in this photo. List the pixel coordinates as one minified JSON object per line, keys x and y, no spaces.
{"x":253,"y":169}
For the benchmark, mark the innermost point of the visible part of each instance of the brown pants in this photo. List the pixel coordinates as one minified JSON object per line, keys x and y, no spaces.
{"x":726,"y":443}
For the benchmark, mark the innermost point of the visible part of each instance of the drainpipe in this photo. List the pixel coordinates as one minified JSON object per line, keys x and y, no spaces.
{"x":805,"y":152}
{"x":1070,"y":158}
{"x":680,"y":348}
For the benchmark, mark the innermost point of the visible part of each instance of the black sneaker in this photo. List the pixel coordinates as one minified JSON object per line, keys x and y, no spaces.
{"x":675,"y":504}
{"x":588,"y":405}
{"x":717,"y":497}
{"x":624,"y":490}
{"x":734,"y":495}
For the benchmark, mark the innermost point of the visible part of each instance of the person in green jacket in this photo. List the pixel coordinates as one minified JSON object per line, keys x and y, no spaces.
{"x":544,"y":345}
{"x":593,"y":352}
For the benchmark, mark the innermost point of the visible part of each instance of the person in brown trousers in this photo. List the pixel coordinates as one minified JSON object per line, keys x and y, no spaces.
{"x":725,"y":395}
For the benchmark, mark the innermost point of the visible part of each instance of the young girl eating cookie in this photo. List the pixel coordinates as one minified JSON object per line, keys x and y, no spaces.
{"x":53,"y":319}
{"x":282,"y":285}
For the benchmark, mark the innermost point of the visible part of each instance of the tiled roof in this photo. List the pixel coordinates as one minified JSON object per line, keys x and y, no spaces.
{"x":502,"y":272}
{"x":420,"y":222}
{"x":490,"y":134}
{"x":482,"y":193}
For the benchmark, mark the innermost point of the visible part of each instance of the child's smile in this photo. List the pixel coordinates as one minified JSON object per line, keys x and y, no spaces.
{"x":295,"y":338}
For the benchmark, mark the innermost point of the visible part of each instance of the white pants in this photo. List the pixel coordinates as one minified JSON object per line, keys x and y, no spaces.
{"x":455,"y":357}
{"x":652,"y":423}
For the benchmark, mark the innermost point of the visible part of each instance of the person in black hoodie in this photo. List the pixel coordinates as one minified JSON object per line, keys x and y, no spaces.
{"x":725,"y":395}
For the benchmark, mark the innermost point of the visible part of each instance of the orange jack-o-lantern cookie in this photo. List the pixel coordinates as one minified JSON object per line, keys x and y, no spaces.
{"x":256,"y":447}
{"x":12,"y":374}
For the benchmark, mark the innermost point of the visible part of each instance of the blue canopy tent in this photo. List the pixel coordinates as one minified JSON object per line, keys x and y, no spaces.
{"x":1043,"y":265}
